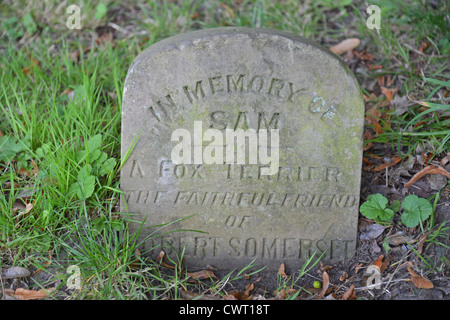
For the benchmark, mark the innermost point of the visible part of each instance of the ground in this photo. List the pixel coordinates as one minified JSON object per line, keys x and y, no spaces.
{"x":60,"y":88}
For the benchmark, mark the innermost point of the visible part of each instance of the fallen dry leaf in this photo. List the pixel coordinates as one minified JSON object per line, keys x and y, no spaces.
{"x":345,"y":45}
{"x":161,"y":258}
{"x":281,"y":271}
{"x":373,"y":67}
{"x":26,"y":71}
{"x":368,"y":136}
{"x":105,"y":38}
{"x":427,"y":170}
{"x":34,"y":63}
{"x":372,"y":116}
{"x":227,"y":9}
{"x":280,"y":295}
{"x":423,"y":46}
{"x":398,"y":238}
{"x":237,"y":295}
{"x":350,"y":294}
{"x":230,"y":297}
{"x":389,"y":93}
{"x":135,"y":264}
{"x":195,"y":15}
{"x":25,"y":294}
{"x":344,"y":276}
{"x":444,"y":160}
{"x":201,"y":275}
{"x":383,"y":166}
{"x":66,"y":92}
{"x":419,"y":281}
{"x":422,"y":241}
{"x":46,"y":264}
{"x":326,"y":283}
{"x":249,"y":288}
{"x":364,"y":55}
{"x":382,"y":265}
{"x":358,"y":267}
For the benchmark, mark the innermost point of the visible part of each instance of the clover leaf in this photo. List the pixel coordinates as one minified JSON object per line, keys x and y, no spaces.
{"x":376,"y":208}
{"x":416,"y":210}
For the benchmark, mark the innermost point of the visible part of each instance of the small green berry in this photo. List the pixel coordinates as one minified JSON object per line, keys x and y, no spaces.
{"x":317,"y":284}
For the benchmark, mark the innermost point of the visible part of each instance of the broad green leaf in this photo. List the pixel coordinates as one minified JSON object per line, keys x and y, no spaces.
{"x":375,"y":207}
{"x":102,"y":158}
{"x":94,"y":143}
{"x":94,"y":155}
{"x":84,"y":172}
{"x":416,"y":210}
{"x":107,"y":166}
{"x":29,"y":23}
{"x":74,"y":189}
{"x":101,"y":11}
{"x":88,"y":184}
{"x":83,"y":187}
{"x":9,"y":147}
{"x":386,"y":214}
{"x":395,"y":206}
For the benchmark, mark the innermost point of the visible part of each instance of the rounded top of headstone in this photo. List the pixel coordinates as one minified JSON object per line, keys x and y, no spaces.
{"x":202,"y":38}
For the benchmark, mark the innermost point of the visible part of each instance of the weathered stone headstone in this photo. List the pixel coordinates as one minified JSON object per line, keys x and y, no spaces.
{"x":239,"y":78}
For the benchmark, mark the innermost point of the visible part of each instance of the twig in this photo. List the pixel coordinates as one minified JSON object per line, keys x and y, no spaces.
{"x":371,"y":286}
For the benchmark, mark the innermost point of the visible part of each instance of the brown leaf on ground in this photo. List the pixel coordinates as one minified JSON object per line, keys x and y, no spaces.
{"x":350,"y":294}
{"x":389,"y":93}
{"x":443,"y":162}
{"x":345,"y":45}
{"x":398,"y":238}
{"x":423,"y":46}
{"x":227,"y":9}
{"x":30,"y":173}
{"x":161,"y":258}
{"x":368,"y":136}
{"x":380,"y":263}
{"x":427,"y":170}
{"x":249,"y":288}
{"x":230,"y":297}
{"x":281,"y":271}
{"x":34,"y":63}
{"x":422,"y":241}
{"x":237,"y":295}
{"x":280,"y":295}
{"x":201,"y":275}
{"x":373,"y":67}
{"x":344,"y":276}
{"x":372,"y":116}
{"x":364,"y":55}
{"x":105,"y":38}
{"x":326,"y":283}
{"x":419,"y":281}
{"x":358,"y":267}
{"x":383,"y":166}
{"x":46,"y":264}
{"x":25,"y":294}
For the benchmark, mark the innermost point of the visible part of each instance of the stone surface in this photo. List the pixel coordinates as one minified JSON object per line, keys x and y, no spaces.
{"x":239,"y":78}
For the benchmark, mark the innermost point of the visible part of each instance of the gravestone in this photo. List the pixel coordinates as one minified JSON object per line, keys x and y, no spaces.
{"x":225,"y":213}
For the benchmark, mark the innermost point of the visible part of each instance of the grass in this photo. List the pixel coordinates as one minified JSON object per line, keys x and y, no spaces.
{"x":60,"y":88}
